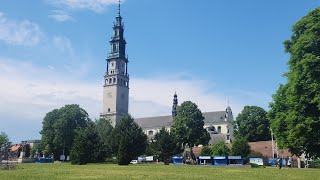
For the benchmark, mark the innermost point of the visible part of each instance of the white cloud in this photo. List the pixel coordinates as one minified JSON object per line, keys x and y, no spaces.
{"x":23,"y":33}
{"x":63,"y":45}
{"x":93,"y":5}
{"x":61,"y":16}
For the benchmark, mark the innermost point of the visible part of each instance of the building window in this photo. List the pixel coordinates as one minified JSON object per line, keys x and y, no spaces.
{"x":108,"y":109}
{"x":228,"y":137}
{"x":219,"y":129}
{"x":211,"y":128}
{"x":150,"y":133}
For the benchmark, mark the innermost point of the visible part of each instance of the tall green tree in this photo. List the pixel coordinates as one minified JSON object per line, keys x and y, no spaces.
{"x":86,"y":145}
{"x":240,"y":147}
{"x":163,"y":146}
{"x":4,"y":139}
{"x":188,"y":125}
{"x":295,"y":110}
{"x":58,"y":128}
{"x":252,"y":124}
{"x":128,"y":140}
{"x":104,"y":129}
{"x":220,"y":149}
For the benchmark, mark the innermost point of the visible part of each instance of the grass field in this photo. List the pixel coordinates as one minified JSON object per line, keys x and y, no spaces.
{"x":104,"y":171}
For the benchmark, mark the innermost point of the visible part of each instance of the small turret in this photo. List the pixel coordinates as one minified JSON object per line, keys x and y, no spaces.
{"x":228,"y":116}
{"x":175,"y":104}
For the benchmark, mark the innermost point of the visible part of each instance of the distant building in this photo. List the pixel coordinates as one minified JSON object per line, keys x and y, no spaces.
{"x":217,"y":123}
{"x":32,"y":143}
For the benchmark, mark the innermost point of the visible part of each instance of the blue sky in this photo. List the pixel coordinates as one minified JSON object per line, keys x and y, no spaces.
{"x":210,"y":51}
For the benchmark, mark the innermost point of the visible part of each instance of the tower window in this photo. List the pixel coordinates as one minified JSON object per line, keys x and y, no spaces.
{"x":114,"y":80}
{"x":219,"y":129}
{"x":114,"y":47}
{"x":108,"y":109}
{"x":112,"y":64}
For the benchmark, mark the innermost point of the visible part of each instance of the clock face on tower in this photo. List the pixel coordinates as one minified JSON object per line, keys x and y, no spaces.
{"x":109,"y":95}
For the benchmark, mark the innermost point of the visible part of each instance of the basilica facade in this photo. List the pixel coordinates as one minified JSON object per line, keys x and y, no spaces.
{"x":217,"y":123}
{"x":116,"y":95}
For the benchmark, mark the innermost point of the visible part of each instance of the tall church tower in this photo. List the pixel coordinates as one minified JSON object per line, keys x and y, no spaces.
{"x":116,"y":79}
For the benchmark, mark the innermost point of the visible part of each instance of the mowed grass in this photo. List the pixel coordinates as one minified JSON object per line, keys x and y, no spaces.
{"x":143,"y":171}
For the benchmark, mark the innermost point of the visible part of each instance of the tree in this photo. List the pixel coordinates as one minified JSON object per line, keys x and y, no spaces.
{"x":220,"y":149}
{"x":4,"y":139}
{"x":4,"y":146}
{"x":164,"y":146}
{"x":188,"y":125}
{"x":205,"y":151}
{"x":128,"y":140}
{"x":104,"y":129}
{"x":252,"y":124}
{"x":58,"y":129}
{"x":240,"y":147}
{"x":86,"y":145}
{"x":295,"y":109}
{"x":255,"y":154}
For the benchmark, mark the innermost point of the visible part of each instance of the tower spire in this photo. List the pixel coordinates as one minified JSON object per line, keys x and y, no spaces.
{"x":119,"y":7}
{"x":175,"y":104}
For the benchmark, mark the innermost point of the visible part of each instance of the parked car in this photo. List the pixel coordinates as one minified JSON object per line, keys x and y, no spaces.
{"x":134,"y":162}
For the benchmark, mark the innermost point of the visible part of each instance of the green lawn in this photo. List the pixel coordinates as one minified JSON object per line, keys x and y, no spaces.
{"x":103,"y":171}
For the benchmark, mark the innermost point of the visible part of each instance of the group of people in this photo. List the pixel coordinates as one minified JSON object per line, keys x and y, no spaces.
{"x":280,"y":162}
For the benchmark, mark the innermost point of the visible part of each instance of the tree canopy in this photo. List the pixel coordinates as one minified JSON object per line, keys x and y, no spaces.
{"x":163,"y":146}
{"x":58,"y":129}
{"x":128,"y":140}
{"x":240,"y":147}
{"x":205,"y":151}
{"x":86,"y":146}
{"x":4,"y":139}
{"x":252,"y":124}
{"x":188,"y":125}
{"x":220,"y":149}
{"x":295,"y":110}
{"x":104,"y":130}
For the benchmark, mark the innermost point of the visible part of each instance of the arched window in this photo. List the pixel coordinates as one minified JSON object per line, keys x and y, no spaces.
{"x":219,"y":129}
{"x":110,"y":80}
{"x":114,"y":80}
{"x":150,"y":133}
{"x":211,"y":128}
{"x":108,"y":109}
